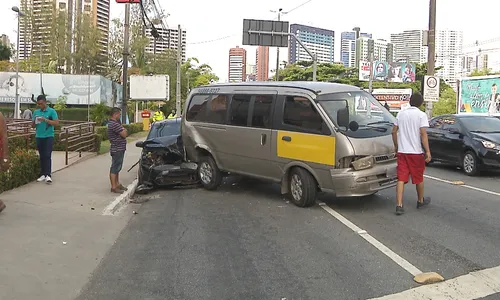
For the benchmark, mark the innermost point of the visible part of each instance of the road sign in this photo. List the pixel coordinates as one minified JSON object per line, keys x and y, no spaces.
{"x":265,"y":33}
{"x":431,"y":88}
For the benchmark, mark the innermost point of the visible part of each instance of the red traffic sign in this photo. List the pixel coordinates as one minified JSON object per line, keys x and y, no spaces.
{"x":128,"y":1}
{"x":145,"y":114}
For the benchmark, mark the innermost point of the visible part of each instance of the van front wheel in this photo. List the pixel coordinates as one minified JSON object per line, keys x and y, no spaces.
{"x":302,"y":187}
{"x":209,"y":174}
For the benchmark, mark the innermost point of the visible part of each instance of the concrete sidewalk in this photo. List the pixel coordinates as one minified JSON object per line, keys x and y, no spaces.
{"x":53,"y":236}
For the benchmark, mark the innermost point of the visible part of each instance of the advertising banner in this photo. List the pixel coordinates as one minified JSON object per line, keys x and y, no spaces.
{"x":76,"y":89}
{"x":479,"y":95}
{"x":396,"y":99}
{"x":387,"y":72}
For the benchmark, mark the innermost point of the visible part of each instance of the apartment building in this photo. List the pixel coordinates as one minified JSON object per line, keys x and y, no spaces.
{"x":318,"y":40}
{"x":382,"y":50}
{"x":348,"y":47}
{"x":237,"y":65}
{"x":262,"y":63}
{"x":169,"y":39}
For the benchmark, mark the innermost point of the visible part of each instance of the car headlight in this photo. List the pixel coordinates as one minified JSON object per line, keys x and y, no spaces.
{"x":363,"y":163}
{"x":488,"y":144}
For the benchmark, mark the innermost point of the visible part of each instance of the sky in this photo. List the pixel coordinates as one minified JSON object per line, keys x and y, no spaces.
{"x":215,"y":26}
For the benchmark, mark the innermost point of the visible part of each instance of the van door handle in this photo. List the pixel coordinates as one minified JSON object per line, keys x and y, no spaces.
{"x":263,"y":138}
{"x":286,"y":139}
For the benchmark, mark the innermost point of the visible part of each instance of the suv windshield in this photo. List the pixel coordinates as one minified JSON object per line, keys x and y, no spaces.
{"x":163,"y":129}
{"x":367,"y":117}
{"x":481,"y":124}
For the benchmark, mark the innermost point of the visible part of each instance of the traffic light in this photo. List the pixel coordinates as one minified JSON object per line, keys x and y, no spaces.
{"x":128,"y":1}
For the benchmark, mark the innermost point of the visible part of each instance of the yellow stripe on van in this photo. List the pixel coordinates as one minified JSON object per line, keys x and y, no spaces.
{"x":307,"y":147}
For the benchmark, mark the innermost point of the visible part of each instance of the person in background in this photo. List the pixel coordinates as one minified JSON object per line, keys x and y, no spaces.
{"x":158,"y":116}
{"x":118,"y":138}
{"x":27,"y":114}
{"x":4,"y":151}
{"x":172,"y":115}
{"x":44,"y":120}
{"x":409,"y":135}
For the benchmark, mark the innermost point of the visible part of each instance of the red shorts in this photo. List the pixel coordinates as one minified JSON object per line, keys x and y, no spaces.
{"x":411,"y":165}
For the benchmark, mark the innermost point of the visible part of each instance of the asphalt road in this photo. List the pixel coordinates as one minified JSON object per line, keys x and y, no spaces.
{"x":245,"y":241}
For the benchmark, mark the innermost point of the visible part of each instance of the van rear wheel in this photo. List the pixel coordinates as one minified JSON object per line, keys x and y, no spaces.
{"x":302,"y":187}
{"x":209,"y":174}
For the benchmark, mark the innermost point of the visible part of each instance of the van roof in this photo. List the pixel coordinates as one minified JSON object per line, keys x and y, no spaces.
{"x":313,"y":86}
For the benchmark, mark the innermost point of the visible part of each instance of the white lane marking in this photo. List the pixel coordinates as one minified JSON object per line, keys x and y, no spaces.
{"x":464,"y":185}
{"x":375,"y":243}
{"x":467,"y":287}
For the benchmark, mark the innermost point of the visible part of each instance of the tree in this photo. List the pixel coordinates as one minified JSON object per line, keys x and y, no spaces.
{"x":87,"y":54}
{"x":447,"y":103}
{"x":5,"y":52}
{"x":115,"y":50}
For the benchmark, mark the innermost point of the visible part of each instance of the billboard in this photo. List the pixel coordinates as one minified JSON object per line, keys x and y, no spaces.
{"x":387,"y":72}
{"x":396,"y":99}
{"x":154,"y":87}
{"x":75,"y":88}
{"x":479,"y":95}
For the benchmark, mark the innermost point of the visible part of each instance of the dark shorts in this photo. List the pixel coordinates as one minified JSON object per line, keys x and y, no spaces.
{"x":116,"y":162}
{"x":411,"y":165}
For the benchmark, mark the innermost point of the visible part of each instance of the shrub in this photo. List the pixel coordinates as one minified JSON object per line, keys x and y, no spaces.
{"x":24,"y":169}
{"x":131,"y":129}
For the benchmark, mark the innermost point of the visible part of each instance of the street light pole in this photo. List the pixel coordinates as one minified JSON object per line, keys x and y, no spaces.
{"x":41,"y":71}
{"x":17,"y":105}
{"x":278,"y":51}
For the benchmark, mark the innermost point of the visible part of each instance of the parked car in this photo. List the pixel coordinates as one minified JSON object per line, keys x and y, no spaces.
{"x":471,"y":142}
{"x":162,"y":159}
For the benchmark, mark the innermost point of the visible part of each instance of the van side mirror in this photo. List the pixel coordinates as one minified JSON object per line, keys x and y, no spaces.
{"x":139,"y":144}
{"x":343,"y":117}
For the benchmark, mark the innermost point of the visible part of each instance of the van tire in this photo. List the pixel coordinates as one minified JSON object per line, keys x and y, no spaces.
{"x":209,"y":174}
{"x":303,"y":188}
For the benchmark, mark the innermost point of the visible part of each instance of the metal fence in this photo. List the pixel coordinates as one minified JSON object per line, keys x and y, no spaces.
{"x":75,"y":136}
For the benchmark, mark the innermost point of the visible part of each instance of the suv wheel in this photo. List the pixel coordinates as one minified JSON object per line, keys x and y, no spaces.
{"x":209,"y":174}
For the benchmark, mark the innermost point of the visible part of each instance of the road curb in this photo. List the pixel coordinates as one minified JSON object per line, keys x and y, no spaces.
{"x":121,"y":200}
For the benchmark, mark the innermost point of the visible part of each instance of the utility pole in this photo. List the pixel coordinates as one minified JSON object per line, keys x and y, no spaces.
{"x":431,"y":47}
{"x":125,"y":62}
{"x":278,"y":51}
{"x":178,"y":83}
{"x":371,"y":50}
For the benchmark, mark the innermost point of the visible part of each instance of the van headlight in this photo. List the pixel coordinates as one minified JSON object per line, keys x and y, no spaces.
{"x":363,"y":163}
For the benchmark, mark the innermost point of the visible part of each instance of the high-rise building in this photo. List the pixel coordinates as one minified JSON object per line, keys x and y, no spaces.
{"x":348,"y":47}
{"x":468,"y":65}
{"x":251,"y":72}
{"x":382,"y":50}
{"x":449,"y":45}
{"x":237,"y":65}
{"x":169,"y":39}
{"x":262,"y":62}
{"x":35,"y":34}
{"x":410,"y":46}
{"x":317,"y":40}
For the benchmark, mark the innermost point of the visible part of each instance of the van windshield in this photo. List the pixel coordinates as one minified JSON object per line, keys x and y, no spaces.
{"x":367,"y":117}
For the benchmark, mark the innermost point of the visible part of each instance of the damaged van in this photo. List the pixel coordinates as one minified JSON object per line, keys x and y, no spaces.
{"x":307,"y":136}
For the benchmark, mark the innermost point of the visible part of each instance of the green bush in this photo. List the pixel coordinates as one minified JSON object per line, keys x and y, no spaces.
{"x":25,"y":167}
{"x":131,"y":129}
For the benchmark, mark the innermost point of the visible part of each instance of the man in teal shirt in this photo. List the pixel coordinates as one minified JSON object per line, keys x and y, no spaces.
{"x":44,"y":120}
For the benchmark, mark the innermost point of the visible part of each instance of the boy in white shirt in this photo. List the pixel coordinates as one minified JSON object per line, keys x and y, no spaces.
{"x":409,"y":135}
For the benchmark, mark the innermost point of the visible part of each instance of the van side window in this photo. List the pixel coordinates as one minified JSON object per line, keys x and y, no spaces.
{"x":261,"y":116}
{"x":299,"y":112}
{"x":238,"y":111}
{"x":197,"y":108}
{"x":217,"y":109}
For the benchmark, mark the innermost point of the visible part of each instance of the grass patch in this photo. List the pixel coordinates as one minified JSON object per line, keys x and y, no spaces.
{"x":105,"y":145}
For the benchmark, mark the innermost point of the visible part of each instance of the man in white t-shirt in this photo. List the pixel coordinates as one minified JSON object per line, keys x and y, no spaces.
{"x":409,"y":135}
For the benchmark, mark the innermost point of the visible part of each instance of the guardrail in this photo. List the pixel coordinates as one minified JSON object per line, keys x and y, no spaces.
{"x":78,"y":138}
{"x":74,"y":135}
